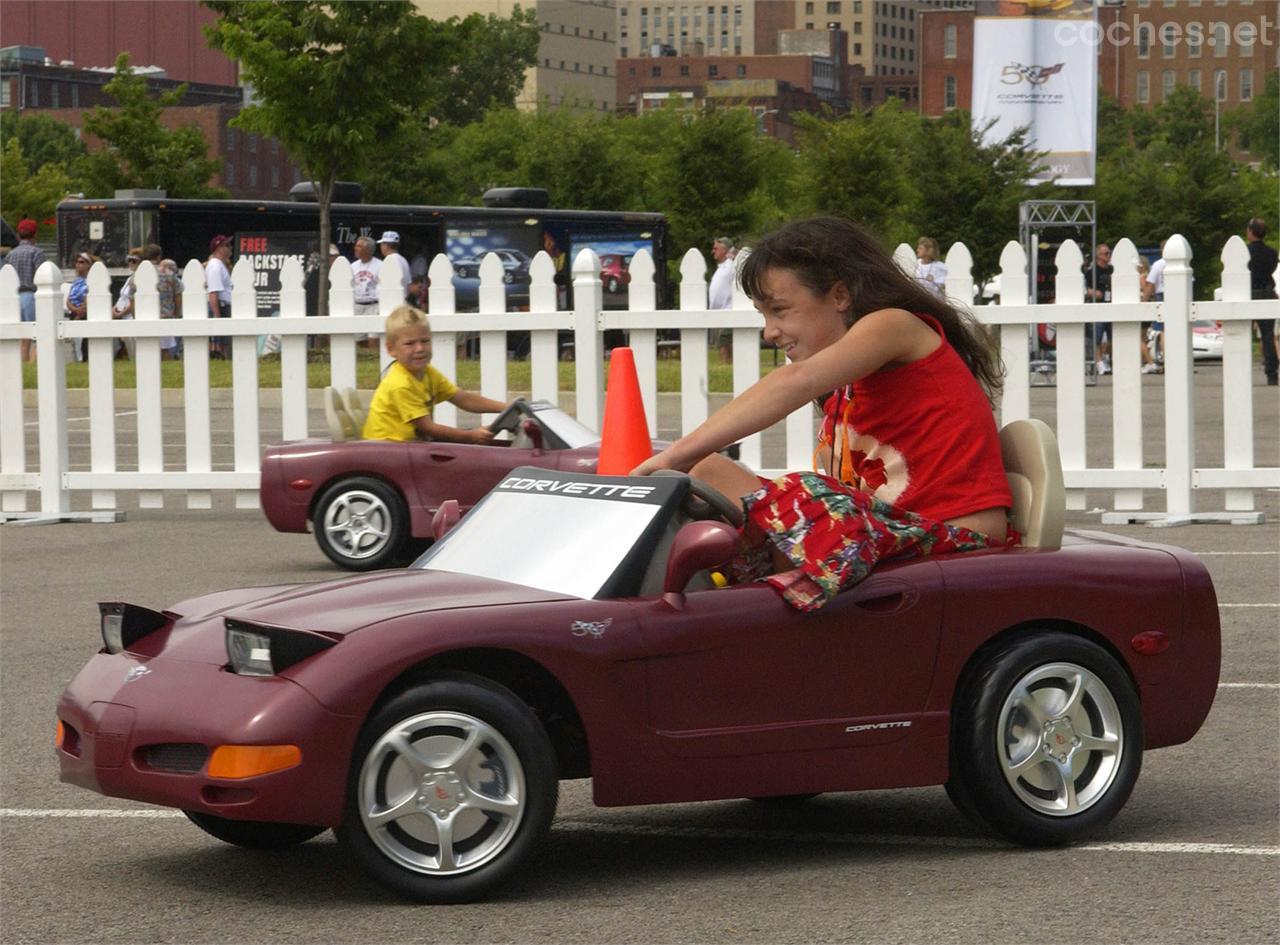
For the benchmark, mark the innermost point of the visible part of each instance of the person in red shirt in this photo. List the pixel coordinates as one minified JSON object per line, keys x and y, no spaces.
{"x":909,"y":456}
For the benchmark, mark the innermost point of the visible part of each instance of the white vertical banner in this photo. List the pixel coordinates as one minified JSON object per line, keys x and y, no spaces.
{"x":1034,"y":67}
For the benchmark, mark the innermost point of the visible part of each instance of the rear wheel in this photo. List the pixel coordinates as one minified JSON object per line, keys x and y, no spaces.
{"x":361,"y":524}
{"x":254,"y":834}
{"x":1046,"y":741}
{"x":452,"y":789}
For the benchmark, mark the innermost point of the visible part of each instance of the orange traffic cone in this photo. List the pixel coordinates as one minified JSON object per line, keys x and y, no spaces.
{"x":624,"y":442}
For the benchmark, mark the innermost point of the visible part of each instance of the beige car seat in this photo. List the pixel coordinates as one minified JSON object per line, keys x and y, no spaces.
{"x":1034,"y":468}
{"x":342,"y":425}
{"x":356,"y":407}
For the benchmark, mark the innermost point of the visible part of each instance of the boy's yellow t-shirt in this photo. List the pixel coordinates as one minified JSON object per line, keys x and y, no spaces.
{"x":401,"y":399}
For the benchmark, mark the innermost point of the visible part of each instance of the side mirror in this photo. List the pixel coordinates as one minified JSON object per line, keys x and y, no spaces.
{"x":445,"y":518}
{"x":531,"y":428}
{"x":698,"y":546}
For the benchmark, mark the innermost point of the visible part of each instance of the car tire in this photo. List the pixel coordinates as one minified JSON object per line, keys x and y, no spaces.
{"x":459,"y":754}
{"x":254,"y":834}
{"x":1046,"y":741}
{"x":361,"y":524}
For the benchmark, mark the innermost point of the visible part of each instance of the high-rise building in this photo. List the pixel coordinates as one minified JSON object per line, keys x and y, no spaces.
{"x":578,"y":43}
{"x":882,"y":35}
{"x":740,"y":28}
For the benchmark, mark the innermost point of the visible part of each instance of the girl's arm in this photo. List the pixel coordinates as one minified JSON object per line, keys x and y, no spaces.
{"x":875,"y":340}
{"x":476,"y":403}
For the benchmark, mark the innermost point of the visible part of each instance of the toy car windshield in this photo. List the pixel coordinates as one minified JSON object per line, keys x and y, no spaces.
{"x":587,"y":536}
{"x":560,"y":431}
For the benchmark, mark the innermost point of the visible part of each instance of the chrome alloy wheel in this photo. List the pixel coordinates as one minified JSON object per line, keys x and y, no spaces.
{"x":1060,"y":739}
{"x":441,"y":793}
{"x":358,"y":524}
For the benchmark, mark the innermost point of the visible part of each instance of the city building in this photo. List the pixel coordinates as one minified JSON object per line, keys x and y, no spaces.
{"x":809,"y":72}
{"x":252,"y":166}
{"x":576,"y":50}
{"x":880,"y":36}
{"x":707,"y":29}
{"x":1146,"y":48}
{"x":79,"y":33}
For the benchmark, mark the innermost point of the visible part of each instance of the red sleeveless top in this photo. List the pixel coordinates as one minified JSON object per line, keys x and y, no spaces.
{"x":921,"y":437}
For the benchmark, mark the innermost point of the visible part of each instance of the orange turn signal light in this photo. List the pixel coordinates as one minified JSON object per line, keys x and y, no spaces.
{"x":60,"y":734}
{"x":249,"y":761}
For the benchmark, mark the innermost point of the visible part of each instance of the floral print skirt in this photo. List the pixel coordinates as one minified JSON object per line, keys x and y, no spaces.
{"x":835,"y":535}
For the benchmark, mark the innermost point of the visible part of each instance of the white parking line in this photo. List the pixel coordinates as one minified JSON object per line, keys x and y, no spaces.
{"x":119,"y":413}
{"x":723,"y":833}
{"x":1205,"y":554}
{"x":1248,"y":605}
{"x":1249,"y":685}
{"x":889,"y":840}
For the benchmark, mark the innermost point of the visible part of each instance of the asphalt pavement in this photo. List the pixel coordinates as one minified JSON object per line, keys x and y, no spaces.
{"x":1194,"y":857}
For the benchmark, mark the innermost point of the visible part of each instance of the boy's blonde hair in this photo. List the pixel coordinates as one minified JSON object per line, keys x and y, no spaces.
{"x":403,"y":317}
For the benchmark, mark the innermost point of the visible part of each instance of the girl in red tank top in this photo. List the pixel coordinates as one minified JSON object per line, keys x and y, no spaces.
{"x":909,"y":456}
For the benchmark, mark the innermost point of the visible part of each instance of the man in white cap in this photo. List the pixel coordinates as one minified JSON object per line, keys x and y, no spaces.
{"x":389,"y":243}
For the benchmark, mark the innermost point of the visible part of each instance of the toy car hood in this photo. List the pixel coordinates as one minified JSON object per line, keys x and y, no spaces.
{"x":334,"y":608}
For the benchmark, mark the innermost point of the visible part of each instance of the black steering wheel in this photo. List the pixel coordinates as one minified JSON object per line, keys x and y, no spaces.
{"x":706,"y":502}
{"x":509,"y":419}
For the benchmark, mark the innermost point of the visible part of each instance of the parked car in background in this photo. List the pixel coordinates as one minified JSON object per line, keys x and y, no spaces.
{"x":1206,"y":340}
{"x":614,"y":272}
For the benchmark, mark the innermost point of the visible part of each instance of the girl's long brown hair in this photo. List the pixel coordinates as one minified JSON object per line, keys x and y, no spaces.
{"x":825,"y":250}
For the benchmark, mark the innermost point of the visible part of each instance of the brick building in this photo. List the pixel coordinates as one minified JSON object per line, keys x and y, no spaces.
{"x":166,"y":33}
{"x":1145,"y":49}
{"x":252,"y":166}
{"x":807,"y":74}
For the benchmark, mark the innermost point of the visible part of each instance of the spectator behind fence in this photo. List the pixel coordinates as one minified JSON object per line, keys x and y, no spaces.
{"x":404,"y":404}
{"x":721,"y":293}
{"x":26,"y":258}
{"x":365,"y":272}
{"x":1262,"y":284}
{"x":217,"y":280}
{"x":1153,"y":339}
{"x":169,"y":288}
{"x":1099,"y":290}
{"x":930,"y":272}
{"x":389,"y":244}
{"x":76,"y":300}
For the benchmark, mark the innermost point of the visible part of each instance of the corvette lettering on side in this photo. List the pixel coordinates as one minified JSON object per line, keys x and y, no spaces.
{"x":870,"y":726}
{"x":572,"y":487}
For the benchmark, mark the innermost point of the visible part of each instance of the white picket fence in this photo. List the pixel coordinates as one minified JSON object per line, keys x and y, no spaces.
{"x":56,"y":482}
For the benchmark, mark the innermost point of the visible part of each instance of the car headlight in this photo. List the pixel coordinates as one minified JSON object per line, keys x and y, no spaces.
{"x":255,"y":650}
{"x":122,"y":624}
{"x":249,"y":651}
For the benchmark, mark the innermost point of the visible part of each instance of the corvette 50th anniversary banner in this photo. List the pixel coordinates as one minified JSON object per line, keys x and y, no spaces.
{"x":1031,"y":69}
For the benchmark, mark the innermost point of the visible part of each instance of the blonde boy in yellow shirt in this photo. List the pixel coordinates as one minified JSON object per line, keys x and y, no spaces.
{"x":408,"y":393}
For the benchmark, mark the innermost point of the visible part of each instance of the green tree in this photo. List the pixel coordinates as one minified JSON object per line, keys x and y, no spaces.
{"x":28,"y":194}
{"x":1258,"y":123}
{"x":1170,"y":178}
{"x":340,"y":84}
{"x":138,"y":150}
{"x":969,"y":190}
{"x":44,"y":140}
{"x":492,"y":54}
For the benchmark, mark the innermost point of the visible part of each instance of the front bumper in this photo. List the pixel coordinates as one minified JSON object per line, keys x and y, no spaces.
{"x":144,"y":729}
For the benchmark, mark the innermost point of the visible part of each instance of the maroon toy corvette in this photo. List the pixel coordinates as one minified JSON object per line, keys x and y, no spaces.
{"x":574,"y":626}
{"x":366,"y":501}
